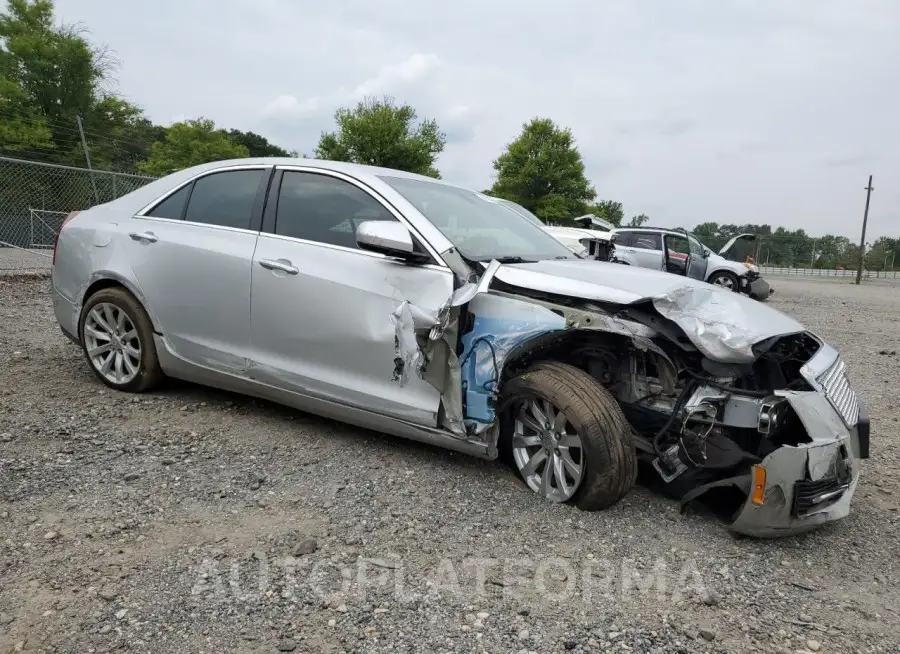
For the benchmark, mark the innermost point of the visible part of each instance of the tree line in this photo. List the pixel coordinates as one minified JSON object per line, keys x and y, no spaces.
{"x":52,"y":77}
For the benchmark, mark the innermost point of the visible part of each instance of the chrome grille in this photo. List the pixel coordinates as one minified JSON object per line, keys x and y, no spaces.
{"x":837,"y":389}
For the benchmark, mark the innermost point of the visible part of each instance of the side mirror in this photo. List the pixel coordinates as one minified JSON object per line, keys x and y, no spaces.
{"x":389,"y":238}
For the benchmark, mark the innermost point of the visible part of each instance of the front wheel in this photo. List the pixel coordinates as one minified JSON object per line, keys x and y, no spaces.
{"x":568,"y":437}
{"x":725,"y":280}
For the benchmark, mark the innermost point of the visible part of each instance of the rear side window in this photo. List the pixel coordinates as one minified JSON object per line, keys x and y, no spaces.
{"x":324,"y":209}
{"x":224,"y":199}
{"x":647,"y":240}
{"x":625,"y":239}
{"x":173,"y":206}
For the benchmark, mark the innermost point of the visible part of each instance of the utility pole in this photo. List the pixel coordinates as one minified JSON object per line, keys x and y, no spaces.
{"x":87,"y":156}
{"x":862,"y":240}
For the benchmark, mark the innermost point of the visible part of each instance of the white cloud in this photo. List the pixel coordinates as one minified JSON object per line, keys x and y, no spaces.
{"x":734,"y":112}
{"x":286,"y":105}
{"x":389,"y":79}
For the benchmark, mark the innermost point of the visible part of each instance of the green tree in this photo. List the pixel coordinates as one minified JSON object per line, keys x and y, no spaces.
{"x":190,"y":143}
{"x":49,"y":75}
{"x":378,"y":132}
{"x":257,"y":146}
{"x":56,"y":72}
{"x":542,"y":170}
{"x":638,"y":220}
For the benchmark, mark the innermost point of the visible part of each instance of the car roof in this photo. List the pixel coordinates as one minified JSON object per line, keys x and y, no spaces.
{"x":143,"y":196}
{"x":645,"y":228}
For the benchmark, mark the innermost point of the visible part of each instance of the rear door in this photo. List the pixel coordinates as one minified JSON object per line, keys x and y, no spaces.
{"x":191,"y":254}
{"x":321,"y":307}
{"x":640,"y":248}
{"x":647,"y":249}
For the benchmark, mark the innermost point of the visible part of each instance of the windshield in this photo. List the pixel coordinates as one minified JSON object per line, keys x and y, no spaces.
{"x":522,"y":211}
{"x":480,"y":227}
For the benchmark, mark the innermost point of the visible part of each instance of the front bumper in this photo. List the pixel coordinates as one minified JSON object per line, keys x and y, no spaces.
{"x":756,"y":287}
{"x":812,"y":484}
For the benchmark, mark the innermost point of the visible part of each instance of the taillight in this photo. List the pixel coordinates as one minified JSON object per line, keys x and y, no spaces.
{"x":56,"y":242}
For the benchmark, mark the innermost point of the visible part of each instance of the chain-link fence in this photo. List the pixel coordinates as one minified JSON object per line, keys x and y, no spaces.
{"x":36,"y":197}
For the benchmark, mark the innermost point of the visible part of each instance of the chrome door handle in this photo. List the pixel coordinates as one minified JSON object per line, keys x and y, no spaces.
{"x":284,"y":266}
{"x":150,"y":237}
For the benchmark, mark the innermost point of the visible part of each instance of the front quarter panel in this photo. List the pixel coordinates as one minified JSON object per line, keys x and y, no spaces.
{"x":717,"y":264}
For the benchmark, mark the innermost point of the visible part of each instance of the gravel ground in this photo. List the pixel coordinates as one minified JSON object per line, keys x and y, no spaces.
{"x":15,"y":261}
{"x":191,"y":520}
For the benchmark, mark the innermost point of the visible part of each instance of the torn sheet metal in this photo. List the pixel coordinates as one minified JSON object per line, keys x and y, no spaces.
{"x":408,"y":358}
{"x":468,"y":292}
{"x":500,"y":325}
{"x":723,"y":325}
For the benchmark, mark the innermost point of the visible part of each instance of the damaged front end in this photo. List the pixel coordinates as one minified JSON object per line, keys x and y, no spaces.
{"x":732,"y":404}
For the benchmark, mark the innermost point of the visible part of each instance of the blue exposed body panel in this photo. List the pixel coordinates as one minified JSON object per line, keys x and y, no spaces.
{"x":500,"y":325}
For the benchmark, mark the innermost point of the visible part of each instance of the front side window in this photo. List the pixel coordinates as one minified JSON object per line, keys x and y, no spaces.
{"x":324,"y":209}
{"x":225,"y":199}
{"x":696,"y":246}
{"x":480,"y":227}
{"x":677,"y":244}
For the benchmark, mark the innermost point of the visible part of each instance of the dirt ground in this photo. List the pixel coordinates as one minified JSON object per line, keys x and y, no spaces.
{"x":191,"y":520}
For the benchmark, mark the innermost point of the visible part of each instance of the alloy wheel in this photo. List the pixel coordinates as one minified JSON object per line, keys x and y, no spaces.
{"x":724,"y":281}
{"x":547,"y":450}
{"x":112,"y":343}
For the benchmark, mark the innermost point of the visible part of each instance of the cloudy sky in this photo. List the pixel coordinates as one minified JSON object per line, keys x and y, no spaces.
{"x":730,"y":111}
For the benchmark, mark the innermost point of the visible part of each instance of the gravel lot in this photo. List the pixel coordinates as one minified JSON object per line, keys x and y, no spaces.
{"x":191,"y":520}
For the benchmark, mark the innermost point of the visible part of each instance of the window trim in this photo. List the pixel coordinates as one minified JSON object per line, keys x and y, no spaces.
{"x":269,"y":217}
{"x":258,"y":202}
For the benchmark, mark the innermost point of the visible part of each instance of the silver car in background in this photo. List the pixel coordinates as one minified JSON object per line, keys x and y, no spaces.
{"x":414,"y":307}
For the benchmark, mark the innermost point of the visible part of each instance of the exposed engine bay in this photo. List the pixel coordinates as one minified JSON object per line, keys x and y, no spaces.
{"x":713,"y":407}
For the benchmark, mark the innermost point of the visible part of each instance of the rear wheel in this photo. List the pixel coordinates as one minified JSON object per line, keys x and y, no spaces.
{"x":725,"y":279}
{"x":567,"y":437}
{"x":117,"y":338}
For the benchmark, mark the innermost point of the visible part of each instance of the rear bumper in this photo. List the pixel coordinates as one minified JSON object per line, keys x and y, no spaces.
{"x":66,"y":315}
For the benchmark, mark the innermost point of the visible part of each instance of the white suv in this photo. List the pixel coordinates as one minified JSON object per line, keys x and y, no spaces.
{"x":681,"y":253}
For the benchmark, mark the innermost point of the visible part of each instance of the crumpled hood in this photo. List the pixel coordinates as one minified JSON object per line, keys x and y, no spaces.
{"x":722,"y":324}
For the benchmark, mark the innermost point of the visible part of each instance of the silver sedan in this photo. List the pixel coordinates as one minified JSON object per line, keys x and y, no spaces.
{"x":421,"y":309}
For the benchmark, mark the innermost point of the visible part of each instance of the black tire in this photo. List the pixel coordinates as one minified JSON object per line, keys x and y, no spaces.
{"x":724,"y":274}
{"x":149,"y":372}
{"x":610,"y":458}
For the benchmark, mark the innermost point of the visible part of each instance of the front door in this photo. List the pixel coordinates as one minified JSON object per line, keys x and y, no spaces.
{"x":191,"y":255}
{"x":321,"y":308}
{"x":697,"y":259}
{"x":678,"y":254}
